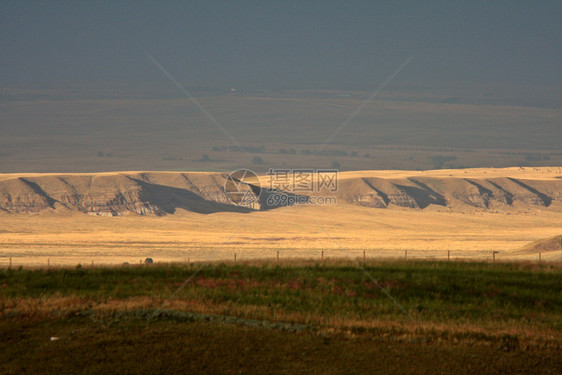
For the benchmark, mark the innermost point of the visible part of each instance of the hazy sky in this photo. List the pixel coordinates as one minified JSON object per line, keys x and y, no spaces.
{"x":282,"y":44}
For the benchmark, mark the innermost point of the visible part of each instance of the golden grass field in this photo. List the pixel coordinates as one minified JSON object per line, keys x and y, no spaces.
{"x":69,"y":237}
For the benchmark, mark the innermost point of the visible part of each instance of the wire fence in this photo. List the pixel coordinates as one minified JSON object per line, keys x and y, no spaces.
{"x":276,"y":255}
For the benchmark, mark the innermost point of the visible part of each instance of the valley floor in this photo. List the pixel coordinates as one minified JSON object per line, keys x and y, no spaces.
{"x":292,"y":232}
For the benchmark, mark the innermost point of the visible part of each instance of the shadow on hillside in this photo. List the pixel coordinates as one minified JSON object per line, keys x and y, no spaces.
{"x":169,"y":199}
{"x":273,"y":198}
{"x":541,"y":196}
{"x":422,"y":194}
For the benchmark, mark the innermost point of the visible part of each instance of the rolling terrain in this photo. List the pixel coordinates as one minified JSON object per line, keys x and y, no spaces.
{"x":115,"y":217}
{"x":161,"y":193}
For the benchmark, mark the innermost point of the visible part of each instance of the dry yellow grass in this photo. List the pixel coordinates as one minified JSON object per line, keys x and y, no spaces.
{"x":69,"y":238}
{"x":528,"y":173}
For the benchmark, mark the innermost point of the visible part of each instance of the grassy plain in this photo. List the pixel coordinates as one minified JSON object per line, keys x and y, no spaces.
{"x":69,"y":237}
{"x":320,"y":315}
{"x":288,"y":317}
{"x":304,"y":232}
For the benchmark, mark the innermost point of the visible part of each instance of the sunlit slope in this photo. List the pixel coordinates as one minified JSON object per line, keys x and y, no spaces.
{"x":173,"y":216}
{"x":114,"y":194}
{"x":550,"y":248}
{"x":423,"y":191}
{"x":162,"y":193}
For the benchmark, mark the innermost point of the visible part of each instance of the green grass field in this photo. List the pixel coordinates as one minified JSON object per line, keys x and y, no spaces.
{"x":292,"y":317}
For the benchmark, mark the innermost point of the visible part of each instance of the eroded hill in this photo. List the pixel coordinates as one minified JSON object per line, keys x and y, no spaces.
{"x":114,"y":194}
{"x":492,"y":193}
{"x":161,"y":193}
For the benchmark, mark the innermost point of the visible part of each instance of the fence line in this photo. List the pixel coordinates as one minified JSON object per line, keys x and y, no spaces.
{"x":278,"y":255}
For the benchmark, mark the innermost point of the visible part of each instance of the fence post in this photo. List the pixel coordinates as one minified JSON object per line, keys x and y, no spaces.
{"x":540,"y":256}
{"x":322,"y":255}
{"x":10,"y":262}
{"x":448,"y":254}
{"x":235,"y":257}
{"x":278,"y":255}
{"x":364,"y":256}
{"x":406,"y":254}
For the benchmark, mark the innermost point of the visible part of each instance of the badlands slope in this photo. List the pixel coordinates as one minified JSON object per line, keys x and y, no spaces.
{"x":160,"y":193}
{"x":174,"y":216}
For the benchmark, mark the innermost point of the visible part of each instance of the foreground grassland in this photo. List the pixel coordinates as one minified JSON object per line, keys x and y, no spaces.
{"x":290,"y":317}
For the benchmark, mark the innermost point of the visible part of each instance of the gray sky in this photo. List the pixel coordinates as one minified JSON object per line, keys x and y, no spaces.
{"x":284,"y":44}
